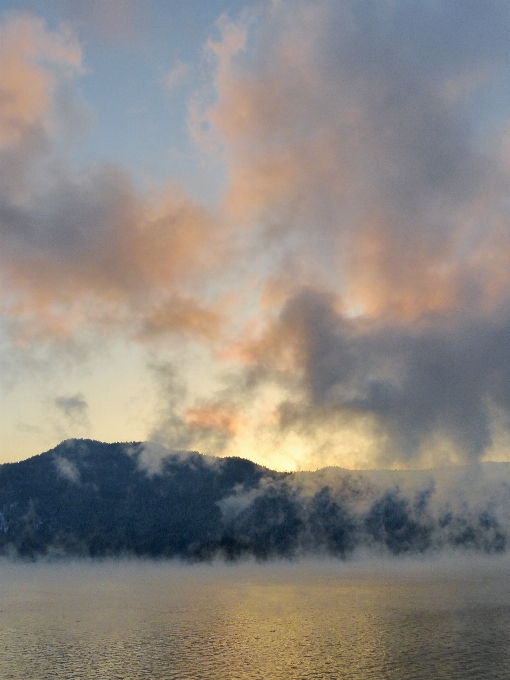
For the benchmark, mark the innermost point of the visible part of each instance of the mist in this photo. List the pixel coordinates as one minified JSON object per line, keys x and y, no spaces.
{"x":87,"y":499}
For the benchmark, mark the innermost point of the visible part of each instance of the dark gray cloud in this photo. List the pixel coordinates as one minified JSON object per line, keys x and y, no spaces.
{"x":419,"y":70}
{"x":73,"y":407}
{"x":445,"y":379}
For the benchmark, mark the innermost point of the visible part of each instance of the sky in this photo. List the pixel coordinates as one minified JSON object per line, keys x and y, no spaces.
{"x":278,"y":230}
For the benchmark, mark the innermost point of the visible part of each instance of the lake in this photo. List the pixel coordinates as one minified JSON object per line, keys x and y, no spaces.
{"x":395,"y":619}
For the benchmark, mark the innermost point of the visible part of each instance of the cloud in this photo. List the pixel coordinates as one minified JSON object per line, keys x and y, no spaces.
{"x":74,"y":408}
{"x":67,"y":469}
{"x":35,"y":62}
{"x":399,"y":394}
{"x":206,"y":426}
{"x":351,"y":134}
{"x":364,"y":230}
{"x":365,"y":155}
{"x":96,"y":253}
{"x":86,"y":251}
{"x":420,"y":384}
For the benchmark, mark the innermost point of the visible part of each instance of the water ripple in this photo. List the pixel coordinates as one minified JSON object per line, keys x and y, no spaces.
{"x":114,"y":623}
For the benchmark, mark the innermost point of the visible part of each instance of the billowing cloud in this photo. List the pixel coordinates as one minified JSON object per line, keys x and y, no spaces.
{"x":440,"y":384}
{"x":352,"y":133}
{"x":366,"y":147}
{"x":204,"y":425}
{"x":87,"y":249}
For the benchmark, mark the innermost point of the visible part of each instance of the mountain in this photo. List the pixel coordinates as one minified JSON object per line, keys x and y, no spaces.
{"x":87,"y":498}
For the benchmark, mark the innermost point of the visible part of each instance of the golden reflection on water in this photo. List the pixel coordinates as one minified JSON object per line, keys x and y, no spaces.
{"x":300,"y":629}
{"x":161,"y":621}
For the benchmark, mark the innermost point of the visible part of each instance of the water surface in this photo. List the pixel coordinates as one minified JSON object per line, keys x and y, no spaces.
{"x":395,"y":620}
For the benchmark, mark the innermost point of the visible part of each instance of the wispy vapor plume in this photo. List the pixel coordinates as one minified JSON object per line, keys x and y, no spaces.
{"x":203,"y":426}
{"x":72,"y":415}
{"x":73,"y":406}
{"x":176,"y":76}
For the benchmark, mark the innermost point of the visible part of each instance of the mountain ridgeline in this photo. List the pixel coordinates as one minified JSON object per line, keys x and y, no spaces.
{"x":86,"y":498}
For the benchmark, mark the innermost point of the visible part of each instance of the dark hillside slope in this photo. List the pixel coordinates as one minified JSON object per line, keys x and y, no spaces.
{"x":86,"y":498}
{"x":89,"y":498}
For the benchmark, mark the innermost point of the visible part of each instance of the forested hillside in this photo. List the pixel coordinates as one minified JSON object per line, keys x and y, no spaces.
{"x":86,"y":498}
